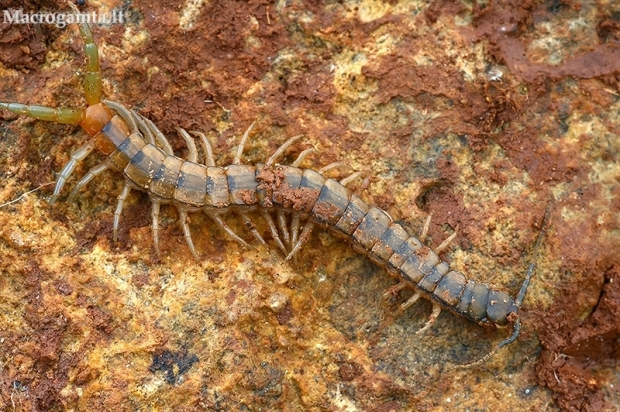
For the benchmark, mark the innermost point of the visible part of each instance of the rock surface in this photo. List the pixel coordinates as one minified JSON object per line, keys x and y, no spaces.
{"x":477,"y":113}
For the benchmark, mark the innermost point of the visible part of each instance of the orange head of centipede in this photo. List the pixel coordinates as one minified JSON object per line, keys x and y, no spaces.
{"x":95,"y":116}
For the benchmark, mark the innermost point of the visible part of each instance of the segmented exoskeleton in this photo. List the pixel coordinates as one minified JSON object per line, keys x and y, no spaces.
{"x":137,"y":148}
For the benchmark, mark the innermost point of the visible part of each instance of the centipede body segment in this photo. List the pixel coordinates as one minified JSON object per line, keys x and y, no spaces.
{"x":135,"y":147}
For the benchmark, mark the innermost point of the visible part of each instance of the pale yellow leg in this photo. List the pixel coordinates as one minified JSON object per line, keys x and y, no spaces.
{"x":186,"y":232}
{"x":274,"y":230}
{"x":155,"y":224}
{"x":303,"y":238}
{"x":119,"y":209}
{"x":431,"y":319}
{"x":251,"y":227}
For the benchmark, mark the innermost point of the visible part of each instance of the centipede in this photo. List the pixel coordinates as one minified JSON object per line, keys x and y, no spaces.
{"x":291,"y":200}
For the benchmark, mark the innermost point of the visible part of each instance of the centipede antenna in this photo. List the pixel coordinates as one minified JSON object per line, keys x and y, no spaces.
{"x":50,"y":114}
{"x":92,"y":78}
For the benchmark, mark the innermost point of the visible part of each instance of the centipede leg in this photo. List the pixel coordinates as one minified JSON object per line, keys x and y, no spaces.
{"x":119,"y":209}
{"x":161,"y":139}
{"x":187,"y":232}
{"x":144,"y":128}
{"x":413,"y":299}
{"x":331,"y":166}
{"x":237,"y":159}
{"x":206,"y":146}
{"x":446,"y":242}
{"x":96,"y":170}
{"x":220,"y":222}
{"x":350,"y":178}
{"x":393,"y":291}
{"x":77,"y":156}
{"x":281,"y":216}
{"x":191,"y":145}
{"x":281,"y":150}
{"x":274,"y":231}
{"x":365,"y":183}
{"x":125,"y":113}
{"x":252,"y":227}
{"x":431,"y":319}
{"x":427,"y":225}
{"x":303,"y":238}
{"x":155,"y":224}
{"x":295,"y":220}
{"x":302,"y":156}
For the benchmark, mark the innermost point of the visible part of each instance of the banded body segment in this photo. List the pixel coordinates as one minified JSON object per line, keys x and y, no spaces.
{"x":484,"y":305}
{"x":372,"y":227}
{"x":242,"y":184}
{"x":389,"y":243}
{"x":418,"y":266}
{"x":432,"y":275}
{"x":287,"y":187}
{"x":288,"y":195}
{"x":217,"y":187}
{"x":310,"y":184}
{"x":111,"y":135}
{"x":132,"y":145}
{"x":191,"y":185}
{"x":402,"y":253}
{"x":473,"y":302}
{"x":332,"y":203}
{"x":450,"y":288}
{"x":500,"y":306}
{"x":292,"y":177}
{"x":142,"y":168}
{"x":119,"y":158}
{"x":165,"y":179}
{"x":352,"y":216}
{"x":126,"y":151}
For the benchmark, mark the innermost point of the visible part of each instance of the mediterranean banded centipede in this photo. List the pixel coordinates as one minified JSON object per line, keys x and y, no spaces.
{"x":135,"y":146}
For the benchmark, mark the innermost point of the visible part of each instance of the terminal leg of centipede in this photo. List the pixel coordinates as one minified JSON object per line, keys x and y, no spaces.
{"x":522,"y":291}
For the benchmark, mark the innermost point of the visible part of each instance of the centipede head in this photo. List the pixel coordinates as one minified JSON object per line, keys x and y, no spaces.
{"x":96,"y":115}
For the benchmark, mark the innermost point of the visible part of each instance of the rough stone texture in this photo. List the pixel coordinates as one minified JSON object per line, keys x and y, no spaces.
{"x":475,"y":112}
